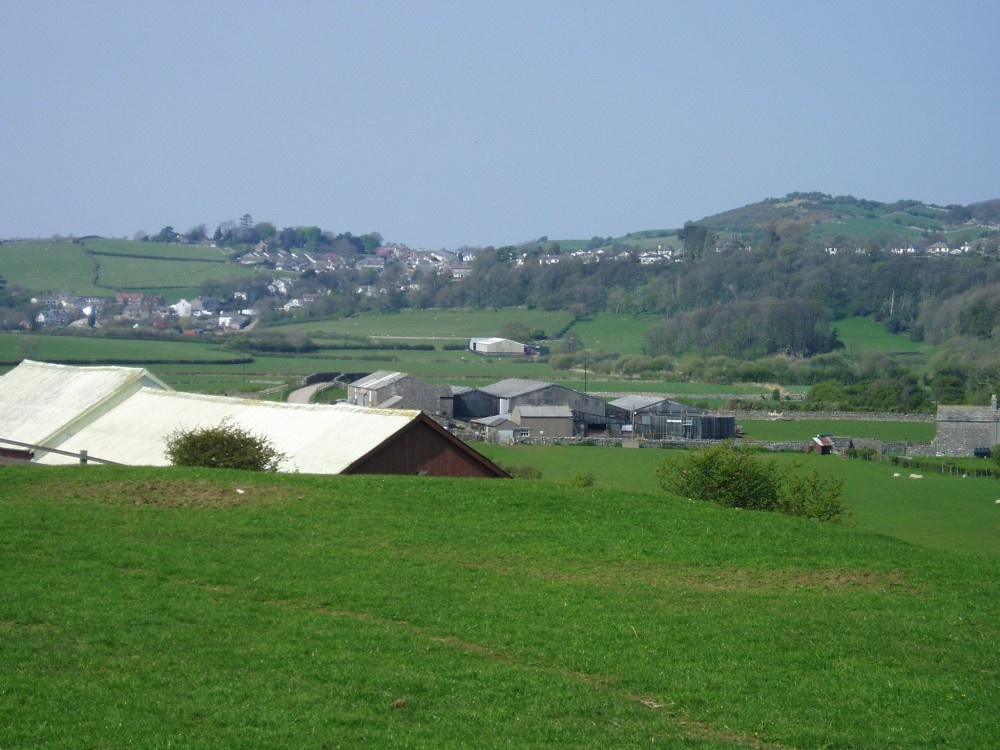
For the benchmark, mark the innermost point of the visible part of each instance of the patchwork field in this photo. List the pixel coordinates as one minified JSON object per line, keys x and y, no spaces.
{"x":154,"y":608}
{"x":101,"y":267}
{"x":441,"y":326}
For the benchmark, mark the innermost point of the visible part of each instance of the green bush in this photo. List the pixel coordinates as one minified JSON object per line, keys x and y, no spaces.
{"x":737,"y":477}
{"x":523,"y":472}
{"x":727,"y":474}
{"x":225,"y":446}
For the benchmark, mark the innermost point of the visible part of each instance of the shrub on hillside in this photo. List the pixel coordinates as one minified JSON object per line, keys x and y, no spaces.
{"x":582,"y":479}
{"x":523,"y":472}
{"x":224,"y":446}
{"x":737,"y":477}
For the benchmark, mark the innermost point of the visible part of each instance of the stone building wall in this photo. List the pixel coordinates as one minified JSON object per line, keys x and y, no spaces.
{"x":962,"y":429}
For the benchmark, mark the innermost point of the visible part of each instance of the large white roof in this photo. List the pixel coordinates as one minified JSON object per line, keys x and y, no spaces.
{"x":378,"y":379}
{"x":316,"y":438}
{"x":40,"y":401}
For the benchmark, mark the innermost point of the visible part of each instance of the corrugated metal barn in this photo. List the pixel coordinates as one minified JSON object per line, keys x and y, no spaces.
{"x":315,"y":438}
{"x":589,"y":412}
{"x":497,"y":346}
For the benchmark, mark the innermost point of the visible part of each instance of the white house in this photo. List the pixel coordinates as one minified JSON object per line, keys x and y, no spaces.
{"x":181,"y":308}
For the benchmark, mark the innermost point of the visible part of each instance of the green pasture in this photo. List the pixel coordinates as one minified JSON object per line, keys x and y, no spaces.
{"x":46,"y":348}
{"x":171,"y":278}
{"x":117,"y":265}
{"x":613,"y":333}
{"x":943,"y":511}
{"x":213,"y":609}
{"x":102,"y":246}
{"x":49,"y":266}
{"x":458,"y":367}
{"x":604,"y":331}
{"x":867,"y":334}
{"x":805,"y":429}
{"x":441,"y":326}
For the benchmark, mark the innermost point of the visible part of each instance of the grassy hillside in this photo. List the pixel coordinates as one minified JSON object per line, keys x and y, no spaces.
{"x":441,"y":326}
{"x":147,"y":608}
{"x":99,"y":267}
{"x":943,"y":511}
{"x":845,"y":216}
{"x":49,"y":266}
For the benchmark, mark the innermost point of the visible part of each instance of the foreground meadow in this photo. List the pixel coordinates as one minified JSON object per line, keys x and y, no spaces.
{"x":198,"y":609}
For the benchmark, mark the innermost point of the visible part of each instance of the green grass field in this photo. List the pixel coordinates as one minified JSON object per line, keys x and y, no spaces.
{"x":944,"y":511}
{"x":780,"y":430}
{"x":49,"y":266}
{"x":62,"y":265}
{"x":437,"y":366}
{"x":155,"y":250}
{"x":867,"y":334}
{"x":166,"y":277}
{"x":154,"y":608}
{"x":14,"y":347}
{"x":613,"y":333}
{"x":441,"y":326}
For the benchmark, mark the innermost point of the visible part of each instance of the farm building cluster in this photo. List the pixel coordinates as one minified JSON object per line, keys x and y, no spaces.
{"x":518,"y":408}
{"x":391,"y":422}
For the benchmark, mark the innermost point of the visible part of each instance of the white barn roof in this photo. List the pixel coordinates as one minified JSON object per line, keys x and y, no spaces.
{"x":316,"y":438}
{"x":42,"y":402}
{"x":378,"y":379}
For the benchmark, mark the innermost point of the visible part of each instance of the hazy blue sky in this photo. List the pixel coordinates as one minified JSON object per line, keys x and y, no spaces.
{"x":440,"y":124}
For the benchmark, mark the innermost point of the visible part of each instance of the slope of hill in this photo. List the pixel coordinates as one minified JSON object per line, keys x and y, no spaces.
{"x":859,"y":219}
{"x":211,"y":609}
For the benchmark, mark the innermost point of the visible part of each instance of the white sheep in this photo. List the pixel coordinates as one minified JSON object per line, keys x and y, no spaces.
{"x":896,"y":475}
{"x":916,"y":476}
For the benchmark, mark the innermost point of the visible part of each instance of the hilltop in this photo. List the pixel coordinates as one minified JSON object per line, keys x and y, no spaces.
{"x":859,"y":219}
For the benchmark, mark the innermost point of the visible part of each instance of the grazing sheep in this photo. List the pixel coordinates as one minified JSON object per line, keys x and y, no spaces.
{"x":896,"y":474}
{"x":916,"y":476}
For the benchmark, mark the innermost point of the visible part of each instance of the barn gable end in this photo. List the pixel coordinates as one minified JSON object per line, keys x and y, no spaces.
{"x":424,"y":447}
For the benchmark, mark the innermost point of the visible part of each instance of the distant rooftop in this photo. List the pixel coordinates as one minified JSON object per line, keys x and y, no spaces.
{"x":512,"y":387}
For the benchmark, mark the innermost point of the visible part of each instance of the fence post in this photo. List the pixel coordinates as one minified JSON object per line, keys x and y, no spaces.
{"x":83,"y":457}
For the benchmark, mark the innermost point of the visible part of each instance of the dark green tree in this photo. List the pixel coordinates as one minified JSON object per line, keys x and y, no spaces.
{"x":516,"y":331}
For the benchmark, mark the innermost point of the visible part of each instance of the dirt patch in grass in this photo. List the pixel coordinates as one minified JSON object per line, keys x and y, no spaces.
{"x":738,"y":579}
{"x":619,"y":574}
{"x":168,"y":493}
{"x":786,"y":580}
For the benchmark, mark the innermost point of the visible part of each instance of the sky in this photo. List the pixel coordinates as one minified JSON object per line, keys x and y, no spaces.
{"x":468,"y":123}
